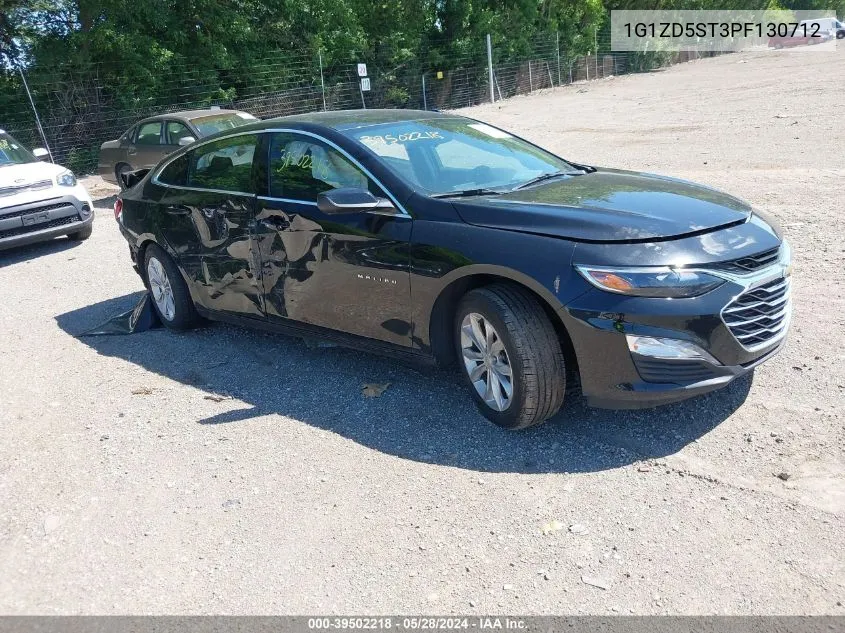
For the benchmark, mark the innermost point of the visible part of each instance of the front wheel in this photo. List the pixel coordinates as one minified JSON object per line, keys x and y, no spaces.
{"x":170,"y":294}
{"x":510,"y":355}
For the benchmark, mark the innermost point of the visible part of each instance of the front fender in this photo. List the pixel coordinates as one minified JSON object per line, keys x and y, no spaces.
{"x":448,"y":258}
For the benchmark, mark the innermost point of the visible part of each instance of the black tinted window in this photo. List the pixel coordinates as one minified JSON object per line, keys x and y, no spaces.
{"x":302,"y":167}
{"x":176,"y":173}
{"x":224,"y":164}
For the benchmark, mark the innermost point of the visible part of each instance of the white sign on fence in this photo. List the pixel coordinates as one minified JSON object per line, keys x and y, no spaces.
{"x":362,"y":70}
{"x":365,"y":84}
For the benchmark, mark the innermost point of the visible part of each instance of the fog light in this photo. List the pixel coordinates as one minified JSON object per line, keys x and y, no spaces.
{"x":667,"y":348}
{"x":86,"y":211}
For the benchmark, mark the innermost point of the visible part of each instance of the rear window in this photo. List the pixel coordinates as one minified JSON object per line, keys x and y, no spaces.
{"x":208,"y":125}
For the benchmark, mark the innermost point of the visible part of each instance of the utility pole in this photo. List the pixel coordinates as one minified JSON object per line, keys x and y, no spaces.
{"x":490,"y":68}
{"x":557,"y":39}
{"x":596,"y":47}
{"x":322,"y":81}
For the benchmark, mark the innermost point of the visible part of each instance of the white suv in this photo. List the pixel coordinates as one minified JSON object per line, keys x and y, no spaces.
{"x":39,"y":200}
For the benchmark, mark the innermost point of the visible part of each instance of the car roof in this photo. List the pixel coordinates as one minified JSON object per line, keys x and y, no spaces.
{"x":340,"y":120}
{"x":349,"y":119}
{"x":187,"y":115}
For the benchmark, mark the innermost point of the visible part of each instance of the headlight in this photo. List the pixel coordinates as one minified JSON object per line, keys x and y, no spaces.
{"x":66,"y":179}
{"x":651,"y":282}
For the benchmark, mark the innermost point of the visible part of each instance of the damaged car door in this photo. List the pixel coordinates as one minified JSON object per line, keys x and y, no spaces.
{"x":207,"y":212}
{"x":343,"y":268}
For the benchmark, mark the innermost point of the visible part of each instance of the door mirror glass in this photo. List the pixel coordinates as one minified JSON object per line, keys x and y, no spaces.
{"x":186,"y":140}
{"x":350,"y":200}
{"x":40,"y":153}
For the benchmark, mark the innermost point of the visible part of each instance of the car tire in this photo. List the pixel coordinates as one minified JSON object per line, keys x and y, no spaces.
{"x":120,"y":169}
{"x":169,"y":292}
{"x":82,"y":234}
{"x":502,"y":328}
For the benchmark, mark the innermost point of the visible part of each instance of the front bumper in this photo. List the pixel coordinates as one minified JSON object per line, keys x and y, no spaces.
{"x":614,"y":377}
{"x":41,"y":220}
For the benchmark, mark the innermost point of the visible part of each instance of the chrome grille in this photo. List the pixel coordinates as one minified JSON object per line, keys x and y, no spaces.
{"x":760,"y":315}
{"x":750,"y":263}
{"x":31,"y":186}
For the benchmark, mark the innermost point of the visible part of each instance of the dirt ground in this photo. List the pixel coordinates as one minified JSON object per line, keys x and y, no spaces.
{"x":127,"y":486}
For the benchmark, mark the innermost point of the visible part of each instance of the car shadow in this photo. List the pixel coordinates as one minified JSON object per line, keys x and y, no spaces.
{"x":424,"y":415}
{"x":19,"y":254}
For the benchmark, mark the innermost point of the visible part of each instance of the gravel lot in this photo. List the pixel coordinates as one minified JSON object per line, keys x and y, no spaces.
{"x":299,"y":495}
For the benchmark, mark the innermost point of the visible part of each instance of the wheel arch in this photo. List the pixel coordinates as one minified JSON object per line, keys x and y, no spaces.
{"x":142,"y":243}
{"x":440,"y":330}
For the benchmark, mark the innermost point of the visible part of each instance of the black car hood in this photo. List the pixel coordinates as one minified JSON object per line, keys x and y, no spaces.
{"x":607,"y":206}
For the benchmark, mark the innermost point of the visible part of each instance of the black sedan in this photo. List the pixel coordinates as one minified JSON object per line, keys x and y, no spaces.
{"x":439,"y":237}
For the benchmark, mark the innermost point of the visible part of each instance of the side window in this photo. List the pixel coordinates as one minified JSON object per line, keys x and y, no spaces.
{"x":176,"y":173}
{"x":302,"y":167}
{"x":224,"y":164}
{"x":175,"y":131}
{"x":149,"y":134}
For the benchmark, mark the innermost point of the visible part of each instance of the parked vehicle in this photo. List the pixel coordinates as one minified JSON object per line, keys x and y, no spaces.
{"x":442,"y":238}
{"x":829,"y":25}
{"x":39,"y":200}
{"x":810,"y":32}
{"x":148,"y":141}
{"x":799,"y":39}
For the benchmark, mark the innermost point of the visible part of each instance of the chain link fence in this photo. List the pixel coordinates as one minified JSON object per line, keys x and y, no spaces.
{"x":80,"y":108}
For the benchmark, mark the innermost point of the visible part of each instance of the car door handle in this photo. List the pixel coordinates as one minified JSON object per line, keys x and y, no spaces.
{"x":276,"y":223}
{"x":177,"y":209}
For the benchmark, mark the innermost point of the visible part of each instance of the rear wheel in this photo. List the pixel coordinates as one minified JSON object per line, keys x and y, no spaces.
{"x":170,"y":294}
{"x":509,"y":353}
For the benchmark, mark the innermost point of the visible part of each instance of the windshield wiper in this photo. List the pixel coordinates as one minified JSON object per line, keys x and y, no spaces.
{"x":543,"y":177}
{"x":466,"y":193}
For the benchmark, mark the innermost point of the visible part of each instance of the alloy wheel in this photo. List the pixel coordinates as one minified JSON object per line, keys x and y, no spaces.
{"x":161,"y":289}
{"x":486,"y":361}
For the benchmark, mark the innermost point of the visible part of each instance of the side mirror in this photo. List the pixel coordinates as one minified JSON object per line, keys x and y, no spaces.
{"x":350,"y":200}
{"x":186,"y":140}
{"x":41,"y":154}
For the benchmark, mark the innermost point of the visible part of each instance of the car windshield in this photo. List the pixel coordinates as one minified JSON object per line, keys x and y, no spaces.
{"x":451,"y":155}
{"x":208,"y":125}
{"x":13,"y":153}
